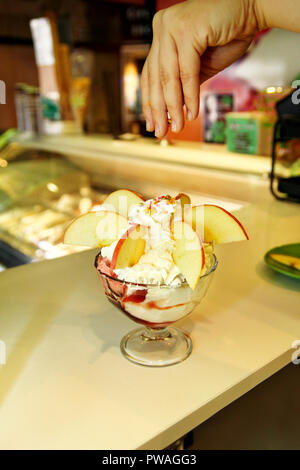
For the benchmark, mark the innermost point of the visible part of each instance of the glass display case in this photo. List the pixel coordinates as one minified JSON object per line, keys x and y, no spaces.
{"x":40,"y":193}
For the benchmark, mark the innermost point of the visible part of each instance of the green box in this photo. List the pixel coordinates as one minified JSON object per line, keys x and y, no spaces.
{"x":249,"y":132}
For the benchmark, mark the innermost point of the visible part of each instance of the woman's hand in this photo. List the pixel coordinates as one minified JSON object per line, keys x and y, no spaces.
{"x":192,"y":41}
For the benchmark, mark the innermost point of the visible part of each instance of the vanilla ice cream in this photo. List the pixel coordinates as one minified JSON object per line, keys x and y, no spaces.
{"x":165,"y":296}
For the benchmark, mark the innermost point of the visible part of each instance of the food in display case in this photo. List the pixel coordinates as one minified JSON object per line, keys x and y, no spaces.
{"x":155,"y":264}
{"x":35,"y":231}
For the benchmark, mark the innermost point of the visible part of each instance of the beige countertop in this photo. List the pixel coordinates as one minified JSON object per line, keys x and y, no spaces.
{"x":66,"y":385}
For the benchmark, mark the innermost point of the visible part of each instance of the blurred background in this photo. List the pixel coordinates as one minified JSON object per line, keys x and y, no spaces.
{"x":72,"y":127}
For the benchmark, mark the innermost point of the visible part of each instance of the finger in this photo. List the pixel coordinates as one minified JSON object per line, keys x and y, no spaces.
{"x":146,"y":99}
{"x":157,"y":102}
{"x":189,"y":69}
{"x":170,"y":81}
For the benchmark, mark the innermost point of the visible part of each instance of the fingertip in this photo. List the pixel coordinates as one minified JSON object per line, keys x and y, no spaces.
{"x":177,"y":121}
{"x":161,"y":129}
{"x":148,"y":117}
{"x":176,"y":128}
{"x":189,"y":115}
{"x":192,"y":109}
{"x":149,"y":126}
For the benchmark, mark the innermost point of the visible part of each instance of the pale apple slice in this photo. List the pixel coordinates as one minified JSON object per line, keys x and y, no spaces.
{"x":129,"y":248}
{"x":194,"y":216}
{"x":185,"y":202}
{"x":96,"y":229}
{"x":122,"y":200}
{"x":188,"y":253}
{"x":215,"y":224}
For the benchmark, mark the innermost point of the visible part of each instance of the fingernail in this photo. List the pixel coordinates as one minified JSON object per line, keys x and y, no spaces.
{"x":148,"y":126}
{"x":189,"y":115}
{"x":173,"y":126}
{"x":157,"y":130}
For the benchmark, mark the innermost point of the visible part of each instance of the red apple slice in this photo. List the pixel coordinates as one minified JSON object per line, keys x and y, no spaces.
{"x":122,"y":200}
{"x":213,"y":223}
{"x":188,"y":253}
{"x":129,"y":248}
{"x":95,"y":229}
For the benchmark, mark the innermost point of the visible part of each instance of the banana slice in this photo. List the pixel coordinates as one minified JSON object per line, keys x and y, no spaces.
{"x":291,"y":261}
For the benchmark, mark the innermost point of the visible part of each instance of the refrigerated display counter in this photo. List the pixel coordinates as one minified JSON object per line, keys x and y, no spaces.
{"x":40,"y":193}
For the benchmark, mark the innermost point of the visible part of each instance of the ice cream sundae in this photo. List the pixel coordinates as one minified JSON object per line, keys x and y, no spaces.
{"x":156,"y":261}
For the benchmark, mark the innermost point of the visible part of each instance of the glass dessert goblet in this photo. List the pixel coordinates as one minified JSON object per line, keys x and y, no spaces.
{"x":156,"y":307}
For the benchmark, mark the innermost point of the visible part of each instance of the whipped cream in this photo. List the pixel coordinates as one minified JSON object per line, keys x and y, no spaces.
{"x":108,"y":251}
{"x":153,"y":268}
{"x":156,"y":266}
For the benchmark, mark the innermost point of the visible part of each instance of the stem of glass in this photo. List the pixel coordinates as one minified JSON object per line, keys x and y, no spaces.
{"x":156,"y":334}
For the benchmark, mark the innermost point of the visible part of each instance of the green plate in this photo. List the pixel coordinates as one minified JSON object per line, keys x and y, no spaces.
{"x":292,"y":250}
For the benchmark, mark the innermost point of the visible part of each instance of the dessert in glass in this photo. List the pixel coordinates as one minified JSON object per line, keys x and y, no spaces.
{"x":155,"y":264}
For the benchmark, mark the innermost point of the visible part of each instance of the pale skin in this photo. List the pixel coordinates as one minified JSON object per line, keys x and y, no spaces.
{"x":193,"y":41}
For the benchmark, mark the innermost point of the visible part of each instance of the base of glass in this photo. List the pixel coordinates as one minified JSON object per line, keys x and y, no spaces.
{"x":156,"y":347}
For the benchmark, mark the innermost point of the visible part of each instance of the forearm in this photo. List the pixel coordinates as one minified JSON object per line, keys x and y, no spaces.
{"x":284,"y":14}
